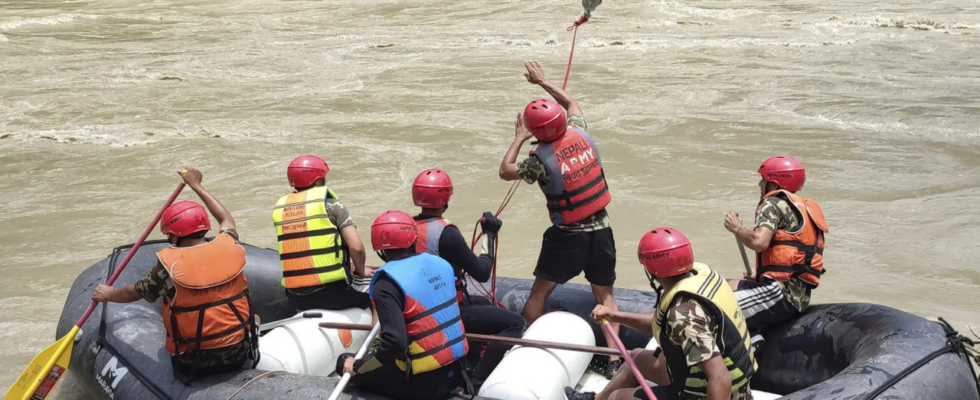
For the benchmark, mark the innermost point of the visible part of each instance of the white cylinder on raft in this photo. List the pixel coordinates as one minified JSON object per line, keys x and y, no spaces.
{"x":542,"y":374}
{"x":303,"y":347}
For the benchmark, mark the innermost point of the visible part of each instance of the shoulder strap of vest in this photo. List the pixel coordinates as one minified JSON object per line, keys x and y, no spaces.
{"x":208,"y":265}
{"x":815,"y":213}
{"x":705,"y":282}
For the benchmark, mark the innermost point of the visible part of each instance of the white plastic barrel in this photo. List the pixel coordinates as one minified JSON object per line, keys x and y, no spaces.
{"x":303,"y":347}
{"x":542,"y":374}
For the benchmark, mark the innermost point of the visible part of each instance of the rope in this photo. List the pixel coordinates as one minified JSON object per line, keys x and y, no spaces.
{"x":955,"y":343}
{"x":492,"y":292}
{"x":250,"y":382}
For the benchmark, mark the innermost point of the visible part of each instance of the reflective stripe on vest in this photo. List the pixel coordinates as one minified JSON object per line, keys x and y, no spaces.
{"x":210,"y":308}
{"x":310,"y":247}
{"x":432,"y":320}
{"x":710,"y":289}
{"x":430,"y":232}
{"x":795,"y":254}
{"x":577,"y":187}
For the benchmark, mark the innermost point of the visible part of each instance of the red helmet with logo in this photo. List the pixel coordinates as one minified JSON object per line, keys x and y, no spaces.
{"x":665,"y":252}
{"x":393,"y":230}
{"x":184,"y":218}
{"x":784,"y":171}
{"x":306,"y":169}
{"x":545,"y":119}
{"x":432,"y":189}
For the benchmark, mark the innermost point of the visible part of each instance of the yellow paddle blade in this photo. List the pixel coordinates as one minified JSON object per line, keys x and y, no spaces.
{"x":44,"y":371}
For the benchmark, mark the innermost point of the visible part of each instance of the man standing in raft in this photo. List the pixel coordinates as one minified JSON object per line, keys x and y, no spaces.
{"x":705,"y":351}
{"x":789,"y":240}
{"x":315,"y":231}
{"x":567,"y":167}
{"x":432,"y":190}
{"x":422,"y":337}
{"x":196,"y":276}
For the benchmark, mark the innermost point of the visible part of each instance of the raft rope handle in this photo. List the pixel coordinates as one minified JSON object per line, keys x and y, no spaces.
{"x":955,"y":343}
{"x":250,"y":382}
{"x":492,"y":294}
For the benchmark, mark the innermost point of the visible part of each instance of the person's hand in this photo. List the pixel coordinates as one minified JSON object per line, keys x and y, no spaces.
{"x":349,"y":366}
{"x":101,"y":294}
{"x":490,"y":224}
{"x":535,"y":74}
{"x":191,"y":176}
{"x":601,"y":312}
{"x":732,"y":222}
{"x":520,"y":131}
{"x":368,"y":272}
{"x":749,"y":275}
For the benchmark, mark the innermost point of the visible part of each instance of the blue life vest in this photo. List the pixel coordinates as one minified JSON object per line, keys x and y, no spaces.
{"x":432,"y":320}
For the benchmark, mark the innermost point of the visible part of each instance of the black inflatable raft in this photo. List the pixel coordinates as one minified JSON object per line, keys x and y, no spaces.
{"x":834,"y":351}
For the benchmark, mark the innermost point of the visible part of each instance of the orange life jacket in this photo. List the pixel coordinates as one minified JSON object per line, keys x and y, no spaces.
{"x":577,"y":186}
{"x":210,"y":308}
{"x":799,"y":253}
{"x":430,"y":231}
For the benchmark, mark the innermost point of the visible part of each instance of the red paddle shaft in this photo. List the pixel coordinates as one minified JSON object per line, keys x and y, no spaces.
{"x":132,"y":251}
{"x":629,"y":360}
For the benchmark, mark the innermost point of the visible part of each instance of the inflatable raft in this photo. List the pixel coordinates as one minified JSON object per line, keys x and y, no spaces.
{"x":833,"y":351}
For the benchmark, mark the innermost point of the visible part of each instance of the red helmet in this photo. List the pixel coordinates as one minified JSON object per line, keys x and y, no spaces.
{"x":184,"y":218}
{"x":545,"y":119}
{"x":665,"y":252}
{"x":304,"y":170}
{"x":432,"y":189}
{"x":393,"y":230}
{"x":784,"y":171}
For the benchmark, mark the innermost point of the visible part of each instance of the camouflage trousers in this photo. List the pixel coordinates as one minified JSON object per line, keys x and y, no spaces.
{"x":193,"y":364}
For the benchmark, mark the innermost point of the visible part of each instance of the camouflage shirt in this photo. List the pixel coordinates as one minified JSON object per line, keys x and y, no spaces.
{"x":532,"y":170}
{"x":158,"y":284}
{"x":694,"y":331}
{"x":775,"y":214}
{"x":339,"y":217}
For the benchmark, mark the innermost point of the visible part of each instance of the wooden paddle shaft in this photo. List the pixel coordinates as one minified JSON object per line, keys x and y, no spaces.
{"x":497,"y":339}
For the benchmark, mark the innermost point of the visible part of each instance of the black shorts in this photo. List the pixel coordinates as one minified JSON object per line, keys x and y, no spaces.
{"x":564,"y":255}
{"x":662,"y":393}
{"x":763,"y":304}
{"x":330,"y":296}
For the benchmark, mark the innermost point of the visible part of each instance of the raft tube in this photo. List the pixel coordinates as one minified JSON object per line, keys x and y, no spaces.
{"x":833,"y":351}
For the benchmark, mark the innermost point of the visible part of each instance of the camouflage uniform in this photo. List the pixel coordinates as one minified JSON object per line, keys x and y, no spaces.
{"x":532,"y":170}
{"x":158,"y":284}
{"x":776,"y":214}
{"x":693,"y":329}
{"x":568,"y":250}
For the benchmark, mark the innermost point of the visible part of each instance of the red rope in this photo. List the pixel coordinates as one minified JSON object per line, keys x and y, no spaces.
{"x":492,"y":294}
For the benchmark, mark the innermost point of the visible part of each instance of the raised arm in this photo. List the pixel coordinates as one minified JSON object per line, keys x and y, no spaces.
{"x":535,"y":74}
{"x":508,"y":166}
{"x":193,"y":179}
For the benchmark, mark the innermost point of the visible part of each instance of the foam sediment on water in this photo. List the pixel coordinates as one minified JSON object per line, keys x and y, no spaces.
{"x":912,"y":23}
{"x":18,"y":22}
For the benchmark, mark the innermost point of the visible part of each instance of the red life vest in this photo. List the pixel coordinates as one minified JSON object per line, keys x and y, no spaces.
{"x":577,"y":188}
{"x":210,"y":308}
{"x":798,"y":253}
{"x":430,"y":231}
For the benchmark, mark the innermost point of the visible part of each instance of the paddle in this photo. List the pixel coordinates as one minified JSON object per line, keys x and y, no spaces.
{"x":629,"y":360}
{"x":360,"y":353}
{"x":745,"y":258}
{"x":497,"y":339}
{"x":44,"y":371}
{"x":273,"y":325}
